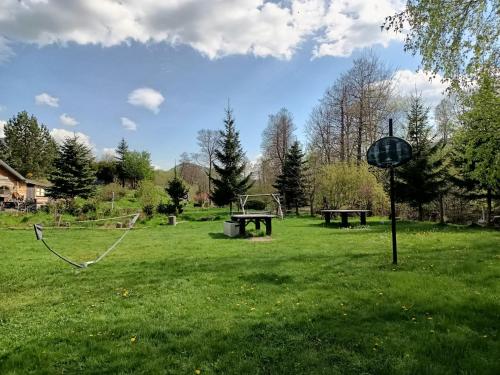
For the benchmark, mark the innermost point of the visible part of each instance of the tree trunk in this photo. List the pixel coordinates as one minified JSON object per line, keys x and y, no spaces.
{"x":420,"y":212}
{"x":488,"y":206}
{"x":441,"y":209}
{"x":210,"y":183}
{"x":296,"y":208}
{"x":311,"y":205}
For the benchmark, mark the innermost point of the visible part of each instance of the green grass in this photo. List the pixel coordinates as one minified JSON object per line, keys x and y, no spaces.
{"x":314,"y":300}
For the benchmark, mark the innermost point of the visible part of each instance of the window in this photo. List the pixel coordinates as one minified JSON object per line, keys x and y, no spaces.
{"x":40,"y":192}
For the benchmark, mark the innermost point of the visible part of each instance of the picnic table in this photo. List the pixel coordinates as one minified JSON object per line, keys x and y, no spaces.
{"x":344,"y":214}
{"x":244,"y":219}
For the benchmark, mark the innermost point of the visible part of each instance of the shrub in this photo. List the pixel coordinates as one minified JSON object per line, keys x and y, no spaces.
{"x":148,"y":210}
{"x":255,"y":205}
{"x":106,"y":193}
{"x":166,"y":208}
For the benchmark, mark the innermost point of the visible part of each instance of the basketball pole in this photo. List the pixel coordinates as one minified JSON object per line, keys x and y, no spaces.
{"x":393,"y":209}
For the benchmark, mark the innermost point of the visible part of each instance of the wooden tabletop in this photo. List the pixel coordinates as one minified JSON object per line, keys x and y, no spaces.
{"x":347,"y":211}
{"x":252,"y":216}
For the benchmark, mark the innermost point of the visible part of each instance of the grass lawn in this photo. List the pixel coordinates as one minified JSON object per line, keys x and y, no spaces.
{"x":314,"y":300}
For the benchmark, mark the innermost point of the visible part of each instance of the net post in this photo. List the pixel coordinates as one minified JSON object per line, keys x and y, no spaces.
{"x":393,"y":208}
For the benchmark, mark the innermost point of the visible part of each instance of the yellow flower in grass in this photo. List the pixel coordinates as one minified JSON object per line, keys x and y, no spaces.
{"x":133,"y":339}
{"x":197,"y":371}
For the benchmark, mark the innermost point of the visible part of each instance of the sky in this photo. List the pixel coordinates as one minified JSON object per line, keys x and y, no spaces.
{"x":155,"y":72}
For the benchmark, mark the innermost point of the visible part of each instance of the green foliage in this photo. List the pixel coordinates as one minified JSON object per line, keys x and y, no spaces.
{"x":149,"y":196}
{"x":348,"y":185}
{"x":178,"y":192}
{"x":106,"y":171}
{"x":73,"y":174}
{"x":457,"y":38}
{"x":291,"y":183}
{"x":28,"y":146}
{"x":252,"y":204}
{"x":420,"y":180}
{"x":479,"y":138}
{"x":137,"y":166}
{"x":121,"y":151}
{"x":106,"y":192}
{"x":166,"y":208}
{"x":230,"y":168}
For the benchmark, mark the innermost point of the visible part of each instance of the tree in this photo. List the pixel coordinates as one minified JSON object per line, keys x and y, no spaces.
{"x":177,"y":191}
{"x":230,"y":180}
{"x":137,"y":166}
{"x":446,"y":117}
{"x":458,"y":38}
{"x":418,"y":181}
{"x":73,"y":174}
{"x":28,"y":146}
{"x":277,"y":138}
{"x":208,"y":140}
{"x":106,"y":170}
{"x":291,"y":183}
{"x":121,"y":151}
{"x":479,"y":141}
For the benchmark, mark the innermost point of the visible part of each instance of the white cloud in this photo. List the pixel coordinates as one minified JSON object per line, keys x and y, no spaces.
{"x":409,"y":82}
{"x":128,"y":124}
{"x":2,"y":127}
{"x":214,"y":28}
{"x":60,"y":135}
{"x":146,"y":97}
{"x":46,"y":99}
{"x":68,"y":120}
{"x":355,"y":24}
{"x":108,"y":152}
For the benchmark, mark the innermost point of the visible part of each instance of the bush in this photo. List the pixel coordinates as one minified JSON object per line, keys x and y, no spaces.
{"x":148,"y":210}
{"x":166,"y":209}
{"x":106,"y":193}
{"x":346,"y":185}
{"x":255,"y":205}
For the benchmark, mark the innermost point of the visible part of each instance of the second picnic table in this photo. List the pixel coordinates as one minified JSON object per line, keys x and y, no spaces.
{"x":344,"y":214}
{"x":244,"y":219}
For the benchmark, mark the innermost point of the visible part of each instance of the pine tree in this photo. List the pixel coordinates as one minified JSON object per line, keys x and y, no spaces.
{"x":72,"y":174}
{"x":230,"y":180}
{"x":476,"y":145}
{"x":177,"y":191}
{"x":121,"y":151}
{"x":28,"y":146}
{"x":291,"y":183}
{"x":419,"y":181}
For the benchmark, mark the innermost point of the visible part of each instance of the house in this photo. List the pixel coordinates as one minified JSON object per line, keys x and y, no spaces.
{"x":15,"y":188}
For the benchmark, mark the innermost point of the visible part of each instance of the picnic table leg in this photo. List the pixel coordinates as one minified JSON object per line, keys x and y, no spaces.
{"x":362,"y":218}
{"x":345,"y":222}
{"x":328,"y":216}
{"x":242,"y":227}
{"x":257,"y":224}
{"x":268,"y":226}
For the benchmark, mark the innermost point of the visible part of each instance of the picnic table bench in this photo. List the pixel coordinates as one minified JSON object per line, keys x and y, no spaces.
{"x":344,"y":214}
{"x":244,"y":219}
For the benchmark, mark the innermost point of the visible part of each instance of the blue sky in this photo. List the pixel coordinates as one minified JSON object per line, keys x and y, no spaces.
{"x":76,"y":80}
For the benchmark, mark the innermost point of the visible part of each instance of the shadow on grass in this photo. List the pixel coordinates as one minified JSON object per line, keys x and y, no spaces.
{"x":221,"y":236}
{"x":329,"y":339}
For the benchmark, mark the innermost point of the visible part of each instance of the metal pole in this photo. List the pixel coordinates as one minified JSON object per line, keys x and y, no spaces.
{"x":393,"y":209}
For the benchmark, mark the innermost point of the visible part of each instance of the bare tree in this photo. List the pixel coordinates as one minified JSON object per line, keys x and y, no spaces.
{"x":208,"y":141}
{"x":446,"y":116}
{"x":277,"y":138}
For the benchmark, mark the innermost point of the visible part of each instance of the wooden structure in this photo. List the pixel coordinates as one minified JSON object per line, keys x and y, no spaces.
{"x":19,"y":191}
{"x":244,"y":219}
{"x":344,"y":214}
{"x":276,"y":198}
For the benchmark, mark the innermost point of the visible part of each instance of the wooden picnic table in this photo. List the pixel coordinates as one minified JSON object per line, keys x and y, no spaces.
{"x":244,"y":219}
{"x":344,"y":214}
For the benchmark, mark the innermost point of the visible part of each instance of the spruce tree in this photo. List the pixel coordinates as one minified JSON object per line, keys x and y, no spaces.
{"x":72,"y":174}
{"x":121,"y":152}
{"x":291,"y":183}
{"x":28,"y":146}
{"x":420,"y":180}
{"x":177,"y":191}
{"x":230,"y":166}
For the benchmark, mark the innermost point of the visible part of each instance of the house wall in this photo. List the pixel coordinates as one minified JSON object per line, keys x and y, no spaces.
{"x":18,"y":186}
